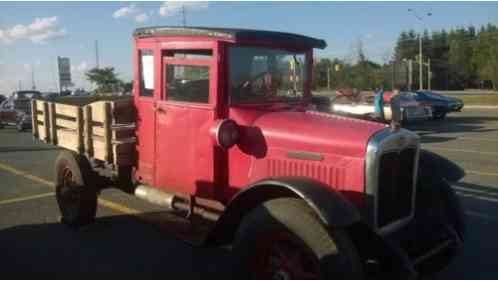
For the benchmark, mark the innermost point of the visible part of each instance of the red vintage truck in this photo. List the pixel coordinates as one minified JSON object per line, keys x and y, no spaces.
{"x":220,"y":127}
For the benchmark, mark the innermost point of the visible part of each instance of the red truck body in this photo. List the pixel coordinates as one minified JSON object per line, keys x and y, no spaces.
{"x":176,"y":150}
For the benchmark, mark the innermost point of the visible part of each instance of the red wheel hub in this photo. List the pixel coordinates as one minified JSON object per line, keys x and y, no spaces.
{"x":281,"y":255}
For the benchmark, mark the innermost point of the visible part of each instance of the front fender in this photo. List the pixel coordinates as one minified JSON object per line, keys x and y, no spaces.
{"x":433,"y":166}
{"x":330,"y":206}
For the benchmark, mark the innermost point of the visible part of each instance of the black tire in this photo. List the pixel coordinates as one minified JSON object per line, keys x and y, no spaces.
{"x":439,"y":115}
{"x":333,"y":251}
{"x":76,"y":193}
{"x":436,"y":200}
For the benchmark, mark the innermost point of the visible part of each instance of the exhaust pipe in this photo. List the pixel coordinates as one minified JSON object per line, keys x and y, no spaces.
{"x":173,"y":202}
{"x":155,"y":196}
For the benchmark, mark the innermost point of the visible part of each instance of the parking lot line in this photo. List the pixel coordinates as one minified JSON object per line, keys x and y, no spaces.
{"x":481,"y":173}
{"x":478,"y":139}
{"x":103,"y":202}
{"x":34,"y":178}
{"x":25,"y":198}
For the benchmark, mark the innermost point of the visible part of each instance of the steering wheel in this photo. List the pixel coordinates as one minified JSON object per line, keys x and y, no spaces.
{"x":249,"y":82}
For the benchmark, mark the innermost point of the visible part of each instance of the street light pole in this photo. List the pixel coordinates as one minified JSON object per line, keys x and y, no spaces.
{"x":429,"y":74}
{"x":420,"y":58}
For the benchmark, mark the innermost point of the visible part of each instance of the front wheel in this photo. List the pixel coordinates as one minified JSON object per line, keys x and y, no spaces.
{"x":284,"y":239}
{"x":436,"y":200}
{"x":75,"y":190}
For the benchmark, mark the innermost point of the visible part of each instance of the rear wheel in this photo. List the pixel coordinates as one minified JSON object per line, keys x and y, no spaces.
{"x":75,"y":189}
{"x":284,"y":239}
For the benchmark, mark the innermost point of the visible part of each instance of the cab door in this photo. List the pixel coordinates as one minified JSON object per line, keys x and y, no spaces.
{"x":185,"y":113}
{"x":145,"y":91}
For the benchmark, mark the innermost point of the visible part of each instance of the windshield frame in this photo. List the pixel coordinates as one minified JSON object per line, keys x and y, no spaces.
{"x":308,"y":59}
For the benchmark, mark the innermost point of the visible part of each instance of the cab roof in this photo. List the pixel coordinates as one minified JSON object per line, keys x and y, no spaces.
{"x":230,"y":34}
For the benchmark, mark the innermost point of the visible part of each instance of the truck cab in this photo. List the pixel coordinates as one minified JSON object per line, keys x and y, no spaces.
{"x":224,"y":129}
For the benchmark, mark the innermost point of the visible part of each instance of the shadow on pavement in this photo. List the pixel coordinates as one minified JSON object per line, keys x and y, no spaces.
{"x":452,"y":124}
{"x":478,"y":259}
{"x":115,"y":247}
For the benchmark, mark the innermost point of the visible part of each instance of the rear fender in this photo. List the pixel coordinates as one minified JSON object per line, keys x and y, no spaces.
{"x":330,"y":206}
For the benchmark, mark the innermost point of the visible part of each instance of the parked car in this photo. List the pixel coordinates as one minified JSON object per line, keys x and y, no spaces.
{"x":16,"y":109}
{"x":411,"y":109}
{"x":441,"y":105}
{"x":2,"y":98}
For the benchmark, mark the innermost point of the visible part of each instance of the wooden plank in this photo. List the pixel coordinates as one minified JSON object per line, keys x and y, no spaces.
{"x":41,"y":132}
{"x":122,"y":150}
{"x":39,"y":104}
{"x":67,"y":124}
{"x":119,"y":131}
{"x":46,"y":122}
{"x":66,"y":110}
{"x":80,"y":129}
{"x":98,"y":111}
{"x":34,"y":118}
{"x":40,"y":118}
{"x":88,"y":130}
{"x":107,"y":132}
{"x":68,"y":139}
{"x":53,"y":126}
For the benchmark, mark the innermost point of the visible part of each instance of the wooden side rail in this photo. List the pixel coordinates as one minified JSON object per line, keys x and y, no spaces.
{"x":92,"y":129}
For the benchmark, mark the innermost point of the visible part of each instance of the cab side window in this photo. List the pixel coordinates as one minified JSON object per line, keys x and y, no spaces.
{"x":187,"y":83}
{"x":146,"y":66}
{"x":187,"y":75}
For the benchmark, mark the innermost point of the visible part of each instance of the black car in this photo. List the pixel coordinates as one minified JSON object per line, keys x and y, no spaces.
{"x":440,"y":104}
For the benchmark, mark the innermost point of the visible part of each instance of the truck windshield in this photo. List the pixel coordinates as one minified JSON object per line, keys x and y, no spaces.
{"x":262,"y":75}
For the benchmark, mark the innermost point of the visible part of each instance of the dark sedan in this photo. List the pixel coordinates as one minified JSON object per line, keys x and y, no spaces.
{"x":440,"y":104}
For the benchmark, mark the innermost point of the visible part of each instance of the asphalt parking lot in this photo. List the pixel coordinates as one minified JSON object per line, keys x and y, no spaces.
{"x":34,"y":245}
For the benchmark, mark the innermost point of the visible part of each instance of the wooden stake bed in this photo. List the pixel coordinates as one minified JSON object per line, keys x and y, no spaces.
{"x":102,"y":130}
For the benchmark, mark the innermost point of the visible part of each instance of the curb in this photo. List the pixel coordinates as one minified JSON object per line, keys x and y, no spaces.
{"x":480,"y":107}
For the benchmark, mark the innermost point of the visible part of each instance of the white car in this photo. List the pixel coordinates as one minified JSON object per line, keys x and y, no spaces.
{"x":411,"y":109}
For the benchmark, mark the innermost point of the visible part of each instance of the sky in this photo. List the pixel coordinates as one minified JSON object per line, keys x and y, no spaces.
{"x":33,"y":34}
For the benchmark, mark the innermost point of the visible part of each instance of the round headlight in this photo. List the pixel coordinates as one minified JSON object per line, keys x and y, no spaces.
{"x":226,"y":133}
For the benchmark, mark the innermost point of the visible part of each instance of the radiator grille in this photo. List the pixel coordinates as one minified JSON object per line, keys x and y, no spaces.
{"x":395,"y":186}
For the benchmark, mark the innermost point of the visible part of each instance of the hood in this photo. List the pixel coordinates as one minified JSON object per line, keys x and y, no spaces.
{"x":313,"y":131}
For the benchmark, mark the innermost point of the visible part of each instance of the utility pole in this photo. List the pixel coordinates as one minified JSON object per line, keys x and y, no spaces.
{"x":97,"y":63}
{"x":393,"y":75}
{"x":33,"y":86}
{"x":328,"y":77}
{"x":410,"y":74}
{"x":421,"y":67}
{"x":184,"y":16}
{"x":429,"y":74}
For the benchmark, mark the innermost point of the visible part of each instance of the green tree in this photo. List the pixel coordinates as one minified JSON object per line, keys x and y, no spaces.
{"x":105,"y":79}
{"x":485,"y":55}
